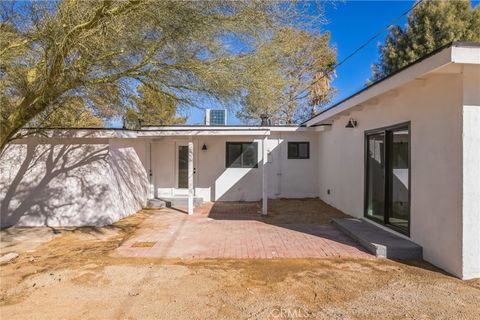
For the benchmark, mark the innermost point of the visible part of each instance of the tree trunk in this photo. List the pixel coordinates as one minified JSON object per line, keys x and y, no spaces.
{"x":23,"y":114}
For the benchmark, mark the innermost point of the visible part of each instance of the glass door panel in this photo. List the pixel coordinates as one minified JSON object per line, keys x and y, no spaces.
{"x":398,"y":178}
{"x":376,"y":177}
{"x":182,"y":167}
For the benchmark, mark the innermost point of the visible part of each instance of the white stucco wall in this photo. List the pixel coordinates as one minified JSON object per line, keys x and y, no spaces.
{"x":434,"y":107}
{"x":471,"y":171}
{"x":214,"y":182}
{"x":71,"y":181}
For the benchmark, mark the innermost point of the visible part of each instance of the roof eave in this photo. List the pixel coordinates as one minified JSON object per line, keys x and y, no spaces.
{"x":427,"y":65}
{"x":456,"y":52}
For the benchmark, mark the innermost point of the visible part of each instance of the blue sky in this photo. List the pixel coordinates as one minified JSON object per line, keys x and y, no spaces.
{"x":350,"y":23}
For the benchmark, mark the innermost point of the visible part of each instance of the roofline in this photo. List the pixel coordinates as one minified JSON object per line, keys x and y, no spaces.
{"x":165,"y":131}
{"x":177,"y":127}
{"x":221,"y":126}
{"x":77,"y":128}
{"x":434,"y":52}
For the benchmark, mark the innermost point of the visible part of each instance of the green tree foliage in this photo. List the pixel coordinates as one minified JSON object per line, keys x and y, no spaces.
{"x":67,"y":58}
{"x":99,"y":51}
{"x":152,"y":107}
{"x":431,"y":25}
{"x":291,"y":76}
{"x":74,"y":114}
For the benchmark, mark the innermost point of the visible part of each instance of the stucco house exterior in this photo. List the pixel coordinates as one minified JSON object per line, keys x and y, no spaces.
{"x":403,"y":154}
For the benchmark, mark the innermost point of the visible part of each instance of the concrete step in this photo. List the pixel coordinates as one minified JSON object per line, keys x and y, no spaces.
{"x":156,"y":204}
{"x":379,"y":241}
{"x":180,"y":201}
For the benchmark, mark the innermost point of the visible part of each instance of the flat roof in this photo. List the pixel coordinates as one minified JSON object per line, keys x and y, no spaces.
{"x":169,"y":131}
{"x":454,"y":52}
{"x":223,"y":128}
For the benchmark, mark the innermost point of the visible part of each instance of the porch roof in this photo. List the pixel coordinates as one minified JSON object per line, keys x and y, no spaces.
{"x":229,"y":130}
{"x":167,"y":131}
{"x":204,"y":132}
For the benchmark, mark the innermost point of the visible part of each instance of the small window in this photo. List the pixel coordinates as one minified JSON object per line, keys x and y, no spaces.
{"x":241,"y":155}
{"x":299,"y":150}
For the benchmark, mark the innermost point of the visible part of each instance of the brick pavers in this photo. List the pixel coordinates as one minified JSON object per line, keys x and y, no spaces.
{"x":207,"y":234}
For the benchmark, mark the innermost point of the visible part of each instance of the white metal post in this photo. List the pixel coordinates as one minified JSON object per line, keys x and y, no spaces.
{"x":190,"y":176}
{"x":264,"y":177}
{"x":151,"y":188}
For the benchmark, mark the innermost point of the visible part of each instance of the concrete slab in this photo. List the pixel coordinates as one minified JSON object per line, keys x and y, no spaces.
{"x":379,"y":241}
{"x":235,"y":236}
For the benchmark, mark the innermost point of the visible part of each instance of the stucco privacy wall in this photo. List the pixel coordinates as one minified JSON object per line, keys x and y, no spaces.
{"x":471,"y":171}
{"x":70,"y":181}
{"x":434,"y":108}
{"x":213,"y":181}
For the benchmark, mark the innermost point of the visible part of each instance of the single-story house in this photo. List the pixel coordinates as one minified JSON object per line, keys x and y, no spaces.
{"x":403,"y":154}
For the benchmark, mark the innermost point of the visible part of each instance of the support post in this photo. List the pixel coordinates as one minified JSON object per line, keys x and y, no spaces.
{"x":151,"y":188}
{"x":190,"y":176}
{"x":264,"y":177}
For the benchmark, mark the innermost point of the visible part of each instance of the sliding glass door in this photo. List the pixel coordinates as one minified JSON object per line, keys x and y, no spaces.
{"x":376,"y":176}
{"x":387,"y":183}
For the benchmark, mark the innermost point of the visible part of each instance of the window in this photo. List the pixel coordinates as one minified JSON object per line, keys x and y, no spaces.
{"x":242,"y":155}
{"x":299,"y":150}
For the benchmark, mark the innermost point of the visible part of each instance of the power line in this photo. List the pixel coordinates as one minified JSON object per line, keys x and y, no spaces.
{"x":376,"y":35}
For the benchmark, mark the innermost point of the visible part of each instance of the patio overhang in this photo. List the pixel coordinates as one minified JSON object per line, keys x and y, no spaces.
{"x":204,"y":132}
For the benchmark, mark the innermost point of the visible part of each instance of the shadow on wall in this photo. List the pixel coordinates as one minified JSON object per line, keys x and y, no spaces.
{"x":60,"y":184}
{"x":129,"y":178}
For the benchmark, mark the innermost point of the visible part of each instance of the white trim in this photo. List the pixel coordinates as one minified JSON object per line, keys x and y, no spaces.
{"x":264,"y":177}
{"x":180,"y":131}
{"x":190,"y":176}
{"x":466,"y":55}
{"x":183,"y":132}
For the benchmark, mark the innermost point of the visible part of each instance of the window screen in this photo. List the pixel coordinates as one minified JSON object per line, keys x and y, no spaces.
{"x":298,"y":150}
{"x":241,"y":155}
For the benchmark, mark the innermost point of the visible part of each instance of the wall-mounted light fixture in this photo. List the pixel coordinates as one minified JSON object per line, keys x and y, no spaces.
{"x":351,"y":123}
{"x":204,"y":147}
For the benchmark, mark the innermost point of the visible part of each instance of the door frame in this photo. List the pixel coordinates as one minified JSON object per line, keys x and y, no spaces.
{"x":386,"y":130}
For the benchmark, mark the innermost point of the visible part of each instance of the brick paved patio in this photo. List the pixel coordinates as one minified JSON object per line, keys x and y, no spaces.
{"x":239,"y":232}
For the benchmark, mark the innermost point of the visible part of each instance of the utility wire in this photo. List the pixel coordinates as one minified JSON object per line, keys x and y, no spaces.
{"x":376,"y":35}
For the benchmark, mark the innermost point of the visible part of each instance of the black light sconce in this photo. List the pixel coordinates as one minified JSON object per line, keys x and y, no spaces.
{"x":351,"y":123}
{"x":204,"y":147}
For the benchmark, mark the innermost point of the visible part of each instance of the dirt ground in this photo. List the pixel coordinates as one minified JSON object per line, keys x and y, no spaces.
{"x":75,"y":276}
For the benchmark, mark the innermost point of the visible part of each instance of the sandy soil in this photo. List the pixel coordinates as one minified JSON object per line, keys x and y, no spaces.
{"x":74,"y":276}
